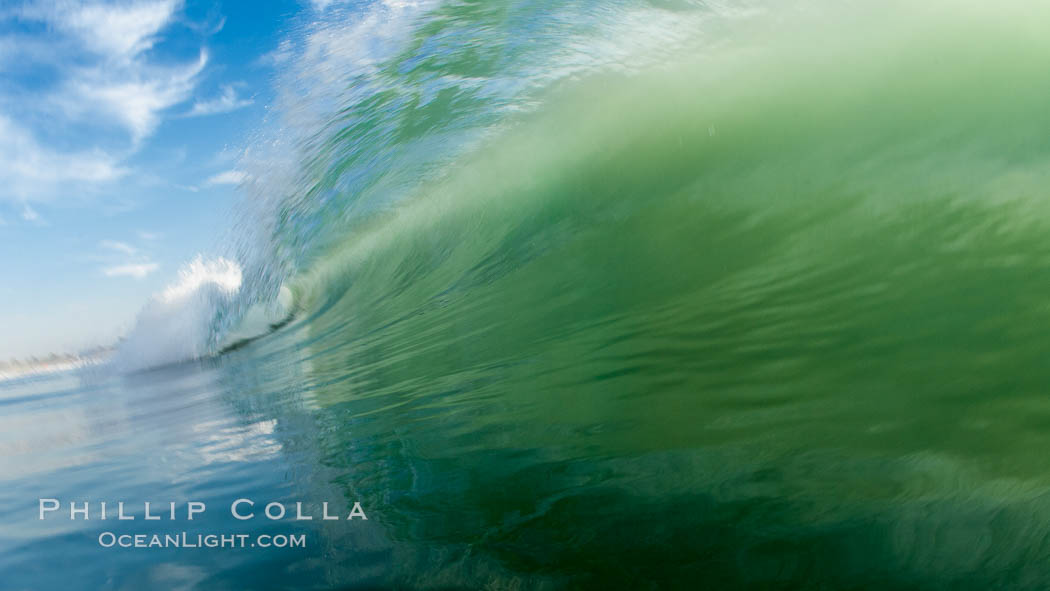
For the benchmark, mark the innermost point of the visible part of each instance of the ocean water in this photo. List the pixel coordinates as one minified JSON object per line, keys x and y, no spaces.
{"x":593,"y":295}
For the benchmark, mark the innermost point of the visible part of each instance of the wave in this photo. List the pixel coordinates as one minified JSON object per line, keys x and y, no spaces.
{"x":758,"y":284}
{"x":425,"y":152}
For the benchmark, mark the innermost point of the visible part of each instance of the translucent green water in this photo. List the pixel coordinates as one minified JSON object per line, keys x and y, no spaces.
{"x":770,"y":313}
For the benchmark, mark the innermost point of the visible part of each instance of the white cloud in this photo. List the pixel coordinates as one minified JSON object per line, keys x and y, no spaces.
{"x":149,"y":236}
{"x":209,"y":26}
{"x":281,"y":54}
{"x":118,"y":246}
{"x":105,"y":82}
{"x":230,"y":177}
{"x":29,"y":170}
{"x":228,"y":101}
{"x":122,"y":259}
{"x":133,"y":97}
{"x":228,"y":155}
{"x":136,"y":270}
{"x":29,"y":214}
{"x":113,"y":30}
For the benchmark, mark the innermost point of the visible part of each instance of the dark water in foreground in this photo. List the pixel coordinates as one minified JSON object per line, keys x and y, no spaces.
{"x":768,"y":315}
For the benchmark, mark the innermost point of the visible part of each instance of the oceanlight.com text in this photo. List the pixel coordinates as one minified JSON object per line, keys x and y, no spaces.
{"x":186,"y":540}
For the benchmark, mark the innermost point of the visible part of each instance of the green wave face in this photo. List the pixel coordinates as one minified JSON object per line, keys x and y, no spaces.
{"x":769,"y":311}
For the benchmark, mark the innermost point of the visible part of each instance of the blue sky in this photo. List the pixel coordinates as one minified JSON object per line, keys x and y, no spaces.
{"x":121,"y":126}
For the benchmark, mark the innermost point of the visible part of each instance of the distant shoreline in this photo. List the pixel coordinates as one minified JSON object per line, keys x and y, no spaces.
{"x":54,"y":363}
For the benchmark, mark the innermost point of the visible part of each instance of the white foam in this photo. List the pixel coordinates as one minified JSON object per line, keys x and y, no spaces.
{"x":183,"y":321}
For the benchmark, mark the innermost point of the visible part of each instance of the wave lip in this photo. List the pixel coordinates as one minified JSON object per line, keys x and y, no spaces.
{"x":185,"y":320}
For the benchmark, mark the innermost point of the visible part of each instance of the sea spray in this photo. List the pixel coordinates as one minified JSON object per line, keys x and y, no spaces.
{"x":185,"y":320}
